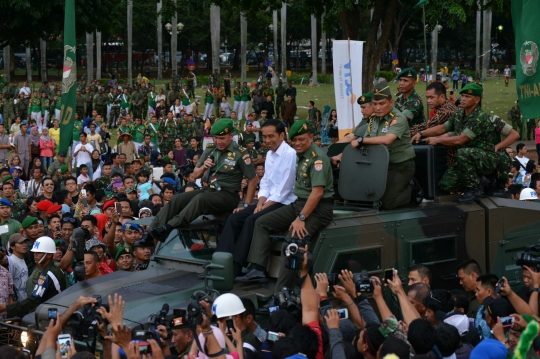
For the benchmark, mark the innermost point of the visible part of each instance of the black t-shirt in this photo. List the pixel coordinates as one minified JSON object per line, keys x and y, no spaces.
{"x":191,"y":153}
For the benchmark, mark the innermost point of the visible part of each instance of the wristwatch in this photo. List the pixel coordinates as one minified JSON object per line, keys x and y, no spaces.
{"x":301,"y":217}
{"x":360,"y":140}
{"x":246,"y":205}
{"x":534,"y":290}
{"x":420,"y":133}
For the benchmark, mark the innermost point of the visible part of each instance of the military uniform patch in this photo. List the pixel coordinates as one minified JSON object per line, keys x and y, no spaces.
{"x":247,"y":160}
{"x":318,"y":165}
{"x":393,"y":122}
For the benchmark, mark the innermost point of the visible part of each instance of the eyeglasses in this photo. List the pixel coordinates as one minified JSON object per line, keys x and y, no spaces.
{"x":432,"y":297}
{"x":69,"y":219}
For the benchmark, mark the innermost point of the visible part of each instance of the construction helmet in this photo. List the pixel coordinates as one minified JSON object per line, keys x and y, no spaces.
{"x":227,"y":305}
{"x":44,"y":245}
{"x":528,"y":194}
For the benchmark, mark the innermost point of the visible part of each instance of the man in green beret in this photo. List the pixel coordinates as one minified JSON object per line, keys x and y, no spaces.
{"x":309,"y":214}
{"x":408,"y":101}
{"x":124,"y":258}
{"x":56,"y":167}
{"x":13,"y":226}
{"x":388,"y":126}
{"x":18,"y":207}
{"x":472,"y":132}
{"x":222,"y":166}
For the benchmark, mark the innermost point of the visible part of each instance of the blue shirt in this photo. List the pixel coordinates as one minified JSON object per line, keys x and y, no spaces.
{"x":481,"y":324}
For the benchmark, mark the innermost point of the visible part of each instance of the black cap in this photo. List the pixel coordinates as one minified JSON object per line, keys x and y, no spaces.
{"x":498,"y":307}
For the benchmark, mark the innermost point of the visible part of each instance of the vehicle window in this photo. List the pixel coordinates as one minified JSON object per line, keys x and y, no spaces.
{"x":187,"y":245}
{"x":368,"y":259}
{"x":433,"y":250}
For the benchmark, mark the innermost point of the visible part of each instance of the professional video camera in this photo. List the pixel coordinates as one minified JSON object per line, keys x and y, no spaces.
{"x":527,"y":259}
{"x":287,"y":300}
{"x":79,"y":238}
{"x":363,"y":282}
{"x":85,"y":321}
{"x":188,"y":166}
{"x":294,"y":256}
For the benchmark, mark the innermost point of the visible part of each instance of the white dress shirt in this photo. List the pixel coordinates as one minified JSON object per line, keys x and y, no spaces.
{"x":277,"y":184}
{"x":26,"y":91}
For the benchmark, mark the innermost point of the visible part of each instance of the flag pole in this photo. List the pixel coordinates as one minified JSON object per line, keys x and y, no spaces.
{"x":425,"y":53}
{"x":352,"y":90}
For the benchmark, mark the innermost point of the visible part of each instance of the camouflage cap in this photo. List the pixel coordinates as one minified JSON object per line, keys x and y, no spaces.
{"x":123,"y":250}
{"x":129,"y":190}
{"x":299,"y":128}
{"x":472,"y":89}
{"x":408,"y":72}
{"x":382,"y":91}
{"x":365,"y":98}
{"x":222,"y":127}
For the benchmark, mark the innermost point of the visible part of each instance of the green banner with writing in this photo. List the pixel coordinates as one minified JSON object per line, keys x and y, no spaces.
{"x":527,"y":33}
{"x":69,"y":79}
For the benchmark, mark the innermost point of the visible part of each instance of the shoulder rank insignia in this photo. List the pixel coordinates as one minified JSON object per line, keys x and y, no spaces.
{"x":391,"y":114}
{"x":313,"y":154}
{"x":210,"y":145}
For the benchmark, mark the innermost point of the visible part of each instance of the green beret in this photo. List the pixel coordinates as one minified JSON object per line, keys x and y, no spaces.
{"x":222,"y":127}
{"x":316,"y":139}
{"x":472,"y":89}
{"x":316,"y":133}
{"x":7,"y":178}
{"x":64,"y":169}
{"x":123,"y":250}
{"x":249,"y":140}
{"x":408,"y":72}
{"x":166,"y":158}
{"x":28,"y":221}
{"x":141,"y":156}
{"x":365,"y":98}
{"x":299,"y":128}
{"x":382,"y":91}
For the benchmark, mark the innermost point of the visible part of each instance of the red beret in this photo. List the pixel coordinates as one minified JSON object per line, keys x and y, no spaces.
{"x":108,"y":204}
{"x":44,"y":205}
{"x":54,"y":208}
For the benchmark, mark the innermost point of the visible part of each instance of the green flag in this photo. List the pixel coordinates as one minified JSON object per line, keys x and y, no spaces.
{"x":69,"y":79}
{"x":420,"y":3}
{"x":527,"y":33}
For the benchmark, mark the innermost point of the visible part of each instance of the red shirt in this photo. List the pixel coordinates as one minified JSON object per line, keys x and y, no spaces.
{"x":316,"y":327}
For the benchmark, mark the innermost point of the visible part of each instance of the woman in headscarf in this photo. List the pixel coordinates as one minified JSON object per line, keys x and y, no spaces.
{"x":48,"y":148}
{"x":35,"y":149}
{"x":96,"y":164}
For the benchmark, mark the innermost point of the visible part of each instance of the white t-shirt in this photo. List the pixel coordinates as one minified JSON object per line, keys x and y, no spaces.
{"x":507,"y":72}
{"x":523,"y":160}
{"x":19,"y":272}
{"x":83,"y":157}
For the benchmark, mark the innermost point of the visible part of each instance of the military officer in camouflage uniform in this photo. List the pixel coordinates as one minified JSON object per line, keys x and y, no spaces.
{"x":216,"y":80}
{"x":167,"y":132}
{"x":408,"y":101}
{"x":8,"y":110}
{"x":115,"y":109}
{"x":172,"y":96}
{"x":280,"y":98}
{"x":229,"y":165}
{"x":309,"y":214}
{"x":227,"y":83}
{"x":100,"y":101}
{"x":137,"y":102}
{"x":79,"y":104}
{"x":472,"y":132}
{"x":504,"y":162}
{"x":191,"y":84}
{"x":18,"y":207}
{"x":314,"y":116}
{"x":174,"y":79}
{"x":514,"y":117}
{"x":104,"y":181}
{"x":88,"y":99}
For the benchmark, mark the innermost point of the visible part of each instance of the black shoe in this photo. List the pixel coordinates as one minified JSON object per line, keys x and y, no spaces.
{"x":160,"y":233}
{"x":472,"y":195}
{"x":265,"y":309}
{"x":146,"y":240}
{"x":417,"y":193}
{"x":253,"y":276}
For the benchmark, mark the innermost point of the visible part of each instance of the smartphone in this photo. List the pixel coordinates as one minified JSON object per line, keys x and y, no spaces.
{"x":118,"y":207}
{"x":332,"y":280}
{"x":53,"y":314}
{"x":499,"y":286}
{"x":273,"y":309}
{"x":84,"y":202}
{"x":64,"y":342}
{"x":507,"y":321}
{"x":388,"y":274}
{"x":230,"y":324}
{"x":273,"y":336}
{"x":144,"y":347}
{"x":343,"y":313}
{"x":83,"y":193}
{"x":4,"y":229}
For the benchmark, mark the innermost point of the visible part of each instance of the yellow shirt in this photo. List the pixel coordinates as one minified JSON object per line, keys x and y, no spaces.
{"x":55,"y":134}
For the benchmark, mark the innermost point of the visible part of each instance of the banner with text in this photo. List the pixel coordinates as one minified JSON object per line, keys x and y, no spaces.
{"x":347,"y":83}
{"x":527,"y":33}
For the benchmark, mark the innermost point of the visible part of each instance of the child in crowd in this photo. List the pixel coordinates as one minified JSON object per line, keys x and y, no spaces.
{"x":144,"y":189}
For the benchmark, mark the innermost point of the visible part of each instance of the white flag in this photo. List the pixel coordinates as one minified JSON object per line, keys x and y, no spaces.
{"x":347,"y":83}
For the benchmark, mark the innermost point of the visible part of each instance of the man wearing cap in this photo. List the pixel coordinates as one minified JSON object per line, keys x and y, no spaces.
{"x":142,"y":256}
{"x":13,"y":226}
{"x":181,"y":336}
{"x":45,"y":282}
{"x":30,"y":228}
{"x":56,"y":167}
{"x":124,"y":259}
{"x":17,"y":266}
{"x":408,"y":101}
{"x":388,"y":126}
{"x":247,"y":134}
{"x":308,"y":214}
{"x":472,"y":132}
{"x":131,"y":233}
{"x":222,"y":166}
{"x":18,"y":207}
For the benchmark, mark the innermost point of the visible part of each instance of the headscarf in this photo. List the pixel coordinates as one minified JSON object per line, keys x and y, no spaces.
{"x":34,"y":139}
{"x":46,"y":138}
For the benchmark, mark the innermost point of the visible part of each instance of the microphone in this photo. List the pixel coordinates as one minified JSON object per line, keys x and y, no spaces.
{"x":209,"y":170}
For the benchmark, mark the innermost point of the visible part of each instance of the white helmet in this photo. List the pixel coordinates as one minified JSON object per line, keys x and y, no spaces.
{"x":528,"y":194}
{"x":227,"y":305}
{"x":44,"y":245}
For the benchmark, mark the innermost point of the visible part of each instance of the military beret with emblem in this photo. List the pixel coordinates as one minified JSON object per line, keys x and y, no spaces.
{"x":299,"y":128}
{"x":64,"y":169}
{"x":7,"y":178}
{"x":131,"y":226}
{"x":249,"y":140}
{"x":408,"y":72}
{"x":28,"y":221}
{"x":5,"y":202}
{"x":365,"y":98}
{"x":472,"y":89}
{"x":123,"y":250}
{"x":382,"y":91}
{"x":180,"y":321}
{"x":222,"y":127}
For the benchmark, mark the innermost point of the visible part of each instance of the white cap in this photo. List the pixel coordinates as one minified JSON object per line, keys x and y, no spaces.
{"x":528,"y":194}
{"x":461,"y":322}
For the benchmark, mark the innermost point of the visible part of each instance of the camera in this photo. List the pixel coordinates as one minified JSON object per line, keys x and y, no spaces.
{"x":84,"y":321}
{"x":529,"y":259}
{"x":294,"y":256}
{"x":363,"y":282}
{"x":289,"y":301}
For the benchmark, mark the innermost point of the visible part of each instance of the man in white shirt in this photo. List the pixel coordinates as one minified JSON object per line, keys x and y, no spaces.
{"x":276,"y":191}
{"x":520,"y":156}
{"x":83,"y":152}
{"x":17,"y":265}
{"x":25,"y":90}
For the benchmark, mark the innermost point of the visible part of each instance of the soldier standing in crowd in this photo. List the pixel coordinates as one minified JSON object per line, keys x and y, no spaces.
{"x":45,"y":88}
{"x":215,"y":78}
{"x":191,"y":84}
{"x":167,"y":132}
{"x":79,"y":104}
{"x":408,"y":101}
{"x":314,"y":116}
{"x":8,"y":110}
{"x":174,"y":79}
{"x":280,"y":98}
{"x":172,"y":96}
{"x":22,"y":107}
{"x":514,"y":117}
{"x":99,"y":101}
{"x":227,"y":83}
{"x":115,"y":109}
{"x":88,"y":99}
{"x":137,"y":102}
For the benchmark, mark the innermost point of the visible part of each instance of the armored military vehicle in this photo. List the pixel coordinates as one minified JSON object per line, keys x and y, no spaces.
{"x":439,"y":233}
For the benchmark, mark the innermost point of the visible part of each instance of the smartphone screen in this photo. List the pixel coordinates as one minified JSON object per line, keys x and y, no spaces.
{"x":388,"y":274}
{"x":273,"y":309}
{"x":507,"y":321}
{"x":53,"y":313}
{"x":4,"y":229}
{"x":343,"y":313}
{"x":273,"y":336}
{"x":230,"y":323}
{"x":64,"y":342}
{"x":118,"y":207}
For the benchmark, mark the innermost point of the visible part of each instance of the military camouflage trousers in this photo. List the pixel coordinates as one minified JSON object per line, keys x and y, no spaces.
{"x":466,"y":172}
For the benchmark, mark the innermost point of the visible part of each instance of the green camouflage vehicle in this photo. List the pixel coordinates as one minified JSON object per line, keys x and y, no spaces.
{"x":439,"y":234}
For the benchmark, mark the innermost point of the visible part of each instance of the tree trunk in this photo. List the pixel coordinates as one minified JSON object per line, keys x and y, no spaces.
{"x":314,"y":54}
{"x":276,"y":51}
{"x":243,"y":46}
{"x":284,"y":56}
{"x":7,"y":65}
{"x":486,"y":42}
{"x":43,"y":57}
{"x":174,"y":43}
{"x":478,"y":31}
{"x":350,"y":23}
{"x":160,"y":43}
{"x":89,"y":57}
{"x":215,"y":23}
{"x":98,"y":55}
{"x":373,"y":50}
{"x":323,"y":47}
{"x":434,"y":46}
{"x":130,"y":42}
{"x":28,"y":65}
